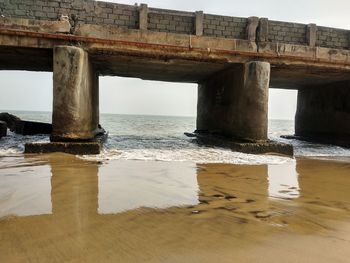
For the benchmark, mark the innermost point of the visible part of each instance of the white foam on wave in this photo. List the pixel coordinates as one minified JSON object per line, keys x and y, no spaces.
{"x":176,"y":148}
{"x":13,"y":144}
{"x":202,"y":155}
{"x":308,"y":149}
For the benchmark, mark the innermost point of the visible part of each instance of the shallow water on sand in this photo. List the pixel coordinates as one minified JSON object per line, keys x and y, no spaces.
{"x":59,"y":208}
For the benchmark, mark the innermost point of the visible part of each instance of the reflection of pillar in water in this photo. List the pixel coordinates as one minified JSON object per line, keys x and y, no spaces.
{"x":74,"y":192}
{"x":241,"y":187}
{"x":324,"y":195}
{"x":326,"y":181}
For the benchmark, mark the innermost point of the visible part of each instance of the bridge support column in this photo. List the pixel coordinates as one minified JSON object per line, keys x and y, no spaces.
{"x":234,"y":103}
{"x":323,"y":113}
{"x":75,"y":96}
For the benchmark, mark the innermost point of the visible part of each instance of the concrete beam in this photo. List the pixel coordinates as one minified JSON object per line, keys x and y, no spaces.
{"x":199,"y":23}
{"x":76,"y":148}
{"x":252,"y":26}
{"x":323,"y":113}
{"x":75,"y":96}
{"x":234,"y":103}
{"x":311,"y":35}
{"x":263,"y":30}
{"x":143,"y":17}
{"x":61,"y":27}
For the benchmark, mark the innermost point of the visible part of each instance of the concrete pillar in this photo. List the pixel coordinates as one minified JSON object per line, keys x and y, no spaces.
{"x":263,"y":30}
{"x":75,"y":114}
{"x":143,"y":17}
{"x":252,"y":26}
{"x":311,"y":35}
{"x":234,"y":103}
{"x":324,"y":113}
{"x":199,"y":23}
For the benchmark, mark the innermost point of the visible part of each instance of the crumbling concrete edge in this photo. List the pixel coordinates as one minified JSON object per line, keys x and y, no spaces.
{"x":77,"y":148}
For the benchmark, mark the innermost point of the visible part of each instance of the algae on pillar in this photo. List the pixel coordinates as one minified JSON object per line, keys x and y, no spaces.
{"x":75,"y":114}
{"x":234,"y":102}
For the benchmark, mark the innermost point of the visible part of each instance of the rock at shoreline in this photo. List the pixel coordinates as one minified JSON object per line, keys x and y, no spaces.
{"x":3,"y":129}
{"x":19,"y":126}
{"x":10,"y":120}
{"x":32,"y":128}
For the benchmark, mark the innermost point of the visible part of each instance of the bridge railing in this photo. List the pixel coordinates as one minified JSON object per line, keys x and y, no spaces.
{"x":173,"y":21}
{"x":225,"y":26}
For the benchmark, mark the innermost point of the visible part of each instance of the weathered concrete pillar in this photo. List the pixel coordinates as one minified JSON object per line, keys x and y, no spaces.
{"x":75,"y":95}
{"x":263,"y":30}
{"x":324,"y":113}
{"x":235,"y":102}
{"x":252,"y":26}
{"x":199,"y":23}
{"x":143,"y":17}
{"x":311,"y":35}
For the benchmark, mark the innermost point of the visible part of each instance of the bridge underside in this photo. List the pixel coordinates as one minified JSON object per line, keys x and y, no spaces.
{"x":158,"y":68}
{"x":321,"y":112}
{"x":233,"y":77}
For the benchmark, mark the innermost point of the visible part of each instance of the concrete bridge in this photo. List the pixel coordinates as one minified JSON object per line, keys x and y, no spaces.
{"x":234,"y":61}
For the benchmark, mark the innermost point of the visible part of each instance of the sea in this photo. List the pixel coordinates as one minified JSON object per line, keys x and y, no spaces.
{"x":161,"y":138}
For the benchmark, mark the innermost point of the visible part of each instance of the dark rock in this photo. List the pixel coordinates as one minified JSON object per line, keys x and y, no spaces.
{"x":10,"y":120}
{"x":191,"y":135}
{"x":3,"y":129}
{"x":32,"y":128}
{"x":15,"y":124}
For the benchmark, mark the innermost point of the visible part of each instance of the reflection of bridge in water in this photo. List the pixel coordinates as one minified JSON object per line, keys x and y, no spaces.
{"x":160,"y":207}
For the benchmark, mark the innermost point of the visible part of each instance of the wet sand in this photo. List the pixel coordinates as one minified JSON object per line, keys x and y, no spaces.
{"x":58,"y":208}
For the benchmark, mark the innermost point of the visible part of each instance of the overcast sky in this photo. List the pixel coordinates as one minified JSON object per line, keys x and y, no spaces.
{"x":33,"y":91}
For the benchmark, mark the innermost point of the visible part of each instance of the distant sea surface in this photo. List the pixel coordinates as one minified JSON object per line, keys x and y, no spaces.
{"x":161,"y":138}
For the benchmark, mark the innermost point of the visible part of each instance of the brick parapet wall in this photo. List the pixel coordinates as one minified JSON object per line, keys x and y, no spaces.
{"x":291,"y":33}
{"x":172,"y":21}
{"x":224,"y":26}
{"x":83,"y":11}
{"x":332,"y":37}
{"x":163,"y":20}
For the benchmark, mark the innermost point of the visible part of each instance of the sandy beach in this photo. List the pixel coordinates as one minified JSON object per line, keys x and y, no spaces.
{"x":60,"y":208}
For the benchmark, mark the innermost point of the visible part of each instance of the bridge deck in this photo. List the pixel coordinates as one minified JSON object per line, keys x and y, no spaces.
{"x":164,"y":56}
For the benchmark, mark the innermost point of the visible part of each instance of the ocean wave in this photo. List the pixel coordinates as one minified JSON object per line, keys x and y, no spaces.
{"x":13,"y":144}
{"x":308,"y":149}
{"x":169,"y":143}
{"x":203,"y":155}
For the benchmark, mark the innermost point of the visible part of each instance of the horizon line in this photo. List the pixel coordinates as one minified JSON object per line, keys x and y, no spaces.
{"x":130,"y":114}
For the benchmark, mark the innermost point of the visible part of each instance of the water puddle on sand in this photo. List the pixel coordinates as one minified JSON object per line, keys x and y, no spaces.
{"x":58,"y":208}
